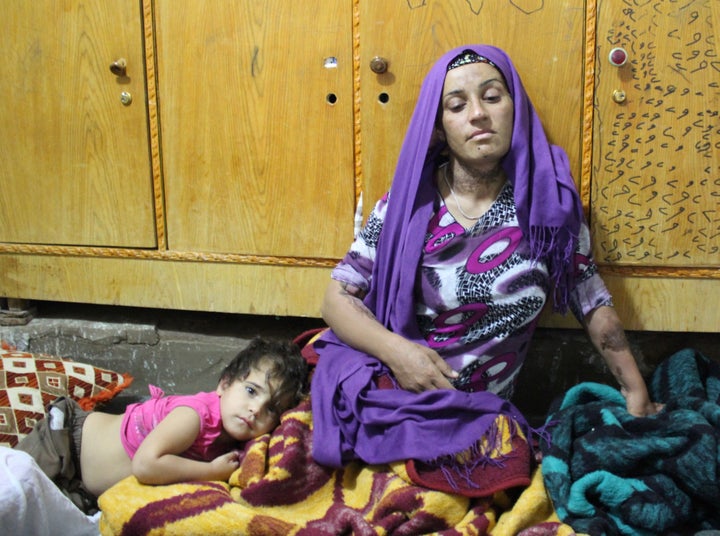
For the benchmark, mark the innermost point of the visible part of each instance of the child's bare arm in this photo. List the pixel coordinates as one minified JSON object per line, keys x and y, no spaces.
{"x":158,"y":460}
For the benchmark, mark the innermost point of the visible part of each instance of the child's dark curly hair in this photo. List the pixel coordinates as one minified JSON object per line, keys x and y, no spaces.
{"x":288,"y":369}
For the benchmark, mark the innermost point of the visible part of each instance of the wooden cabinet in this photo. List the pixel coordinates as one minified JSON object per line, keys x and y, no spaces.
{"x":256,"y":124}
{"x":655,"y":188}
{"x":656,"y":167}
{"x":75,"y":163}
{"x":232,"y":180}
{"x":247,"y":195}
{"x":544,"y":39}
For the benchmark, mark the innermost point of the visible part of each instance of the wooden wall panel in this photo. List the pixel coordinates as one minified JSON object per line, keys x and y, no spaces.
{"x":256,"y":120}
{"x":666,"y":304}
{"x":75,"y":159}
{"x":182,"y":285}
{"x":544,"y":39}
{"x":656,"y":171}
{"x":254,"y":227}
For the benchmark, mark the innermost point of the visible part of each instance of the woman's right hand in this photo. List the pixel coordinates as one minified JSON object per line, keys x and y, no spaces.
{"x":418,"y":368}
{"x":415,"y":367}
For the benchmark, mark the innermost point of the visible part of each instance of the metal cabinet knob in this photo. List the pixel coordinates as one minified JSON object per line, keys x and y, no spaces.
{"x":619,"y":96}
{"x":378,"y":65}
{"x":119,"y":67}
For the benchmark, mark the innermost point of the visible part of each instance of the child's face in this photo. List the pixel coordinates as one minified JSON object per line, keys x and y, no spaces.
{"x":246,"y":407}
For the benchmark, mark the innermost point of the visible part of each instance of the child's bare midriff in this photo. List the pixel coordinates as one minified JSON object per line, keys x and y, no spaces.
{"x":103,"y":460}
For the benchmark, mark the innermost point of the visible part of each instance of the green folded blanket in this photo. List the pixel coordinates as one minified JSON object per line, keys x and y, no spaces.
{"x":609,"y":473}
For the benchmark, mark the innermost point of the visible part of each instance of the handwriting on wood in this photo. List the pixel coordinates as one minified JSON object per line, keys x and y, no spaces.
{"x":656,"y":163}
{"x":476,"y":6}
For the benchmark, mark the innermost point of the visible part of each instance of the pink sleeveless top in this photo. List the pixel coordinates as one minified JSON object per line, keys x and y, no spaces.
{"x":141,"y":418}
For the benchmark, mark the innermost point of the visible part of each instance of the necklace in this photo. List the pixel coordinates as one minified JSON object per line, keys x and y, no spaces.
{"x":452,"y":192}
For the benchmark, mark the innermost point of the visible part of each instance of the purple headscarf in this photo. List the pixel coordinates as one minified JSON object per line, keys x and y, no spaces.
{"x":548,"y":206}
{"x":352,"y":418}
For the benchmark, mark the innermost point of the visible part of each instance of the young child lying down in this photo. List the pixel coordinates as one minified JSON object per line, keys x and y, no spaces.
{"x":169,"y":439}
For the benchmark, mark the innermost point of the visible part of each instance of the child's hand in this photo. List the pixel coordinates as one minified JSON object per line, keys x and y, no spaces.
{"x":223,"y":466}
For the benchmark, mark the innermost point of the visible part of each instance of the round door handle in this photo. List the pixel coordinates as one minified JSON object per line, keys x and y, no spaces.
{"x":119,"y":67}
{"x":618,"y":56}
{"x":378,"y":65}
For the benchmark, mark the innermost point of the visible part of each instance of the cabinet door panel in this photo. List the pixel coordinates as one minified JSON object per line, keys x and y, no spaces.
{"x":544,"y":39}
{"x":256,"y":122}
{"x":656,"y":185}
{"x":76,"y":166}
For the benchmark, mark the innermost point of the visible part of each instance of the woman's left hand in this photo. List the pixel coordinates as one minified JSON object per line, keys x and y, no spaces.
{"x":607,"y":334}
{"x":639,"y":404}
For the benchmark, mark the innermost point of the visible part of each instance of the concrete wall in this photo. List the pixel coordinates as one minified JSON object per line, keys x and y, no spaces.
{"x":184,"y":352}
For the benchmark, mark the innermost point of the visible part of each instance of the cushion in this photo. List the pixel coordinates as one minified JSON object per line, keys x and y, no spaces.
{"x":29,"y":382}
{"x":306,"y":342}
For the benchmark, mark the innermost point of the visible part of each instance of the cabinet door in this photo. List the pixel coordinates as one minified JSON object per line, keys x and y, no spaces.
{"x":257,"y":129}
{"x":656,"y":164}
{"x":75,"y":159}
{"x":544,"y":39}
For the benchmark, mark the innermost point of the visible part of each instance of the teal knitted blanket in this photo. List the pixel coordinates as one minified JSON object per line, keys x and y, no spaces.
{"x":610,"y":473}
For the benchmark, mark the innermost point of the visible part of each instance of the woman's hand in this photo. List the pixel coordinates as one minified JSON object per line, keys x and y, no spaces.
{"x":415,"y":367}
{"x":418,"y":368}
{"x":607,"y":334}
{"x":638,"y":403}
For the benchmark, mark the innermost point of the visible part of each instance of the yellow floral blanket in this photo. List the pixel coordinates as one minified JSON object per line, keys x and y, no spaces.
{"x":279,"y":490}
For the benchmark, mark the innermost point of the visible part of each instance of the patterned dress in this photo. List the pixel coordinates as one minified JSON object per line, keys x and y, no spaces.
{"x":478,"y":294}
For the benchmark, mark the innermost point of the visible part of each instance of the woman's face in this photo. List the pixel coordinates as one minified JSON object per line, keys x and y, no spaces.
{"x":477,"y":115}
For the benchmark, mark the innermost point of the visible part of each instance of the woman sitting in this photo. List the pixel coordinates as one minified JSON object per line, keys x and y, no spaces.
{"x":433,"y":308}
